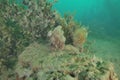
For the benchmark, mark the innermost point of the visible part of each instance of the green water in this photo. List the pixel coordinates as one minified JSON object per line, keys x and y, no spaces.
{"x":102,"y":16}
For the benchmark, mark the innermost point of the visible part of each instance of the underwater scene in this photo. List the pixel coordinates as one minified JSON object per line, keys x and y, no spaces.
{"x":59,"y":40}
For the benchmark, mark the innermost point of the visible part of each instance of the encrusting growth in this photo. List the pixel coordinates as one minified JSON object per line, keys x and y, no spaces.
{"x":57,"y":39}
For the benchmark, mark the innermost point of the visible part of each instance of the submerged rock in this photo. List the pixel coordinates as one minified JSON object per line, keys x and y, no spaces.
{"x":101,"y":72}
{"x":57,"y":39}
{"x":71,"y":49}
{"x":38,"y":62}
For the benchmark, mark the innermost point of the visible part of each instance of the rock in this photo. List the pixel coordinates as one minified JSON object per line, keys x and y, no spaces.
{"x":62,"y":67}
{"x":57,"y":39}
{"x":71,"y":49}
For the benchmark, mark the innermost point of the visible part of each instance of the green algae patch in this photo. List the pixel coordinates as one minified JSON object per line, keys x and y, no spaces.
{"x":38,"y":62}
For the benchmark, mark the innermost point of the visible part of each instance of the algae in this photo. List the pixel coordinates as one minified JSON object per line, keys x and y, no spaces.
{"x":26,"y":32}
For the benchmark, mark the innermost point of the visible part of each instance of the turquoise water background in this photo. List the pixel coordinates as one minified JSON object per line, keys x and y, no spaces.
{"x":102,"y":16}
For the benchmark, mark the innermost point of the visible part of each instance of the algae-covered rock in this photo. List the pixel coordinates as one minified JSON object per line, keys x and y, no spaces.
{"x":71,"y":49}
{"x":101,"y":72}
{"x":38,"y":62}
{"x":57,"y":39}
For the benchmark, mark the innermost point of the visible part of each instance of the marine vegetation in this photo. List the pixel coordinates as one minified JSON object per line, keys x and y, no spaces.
{"x":27,"y":29}
{"x":21,"y":24}
{"x":79,"y":37}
